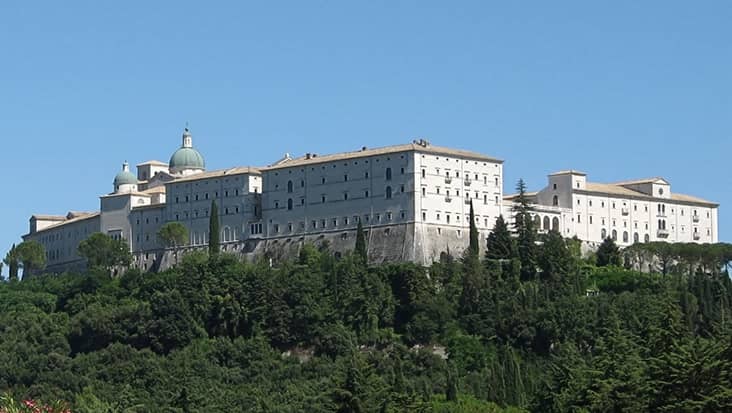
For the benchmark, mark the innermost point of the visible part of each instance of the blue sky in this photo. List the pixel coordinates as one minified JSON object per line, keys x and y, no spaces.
{"x":620,"y":89}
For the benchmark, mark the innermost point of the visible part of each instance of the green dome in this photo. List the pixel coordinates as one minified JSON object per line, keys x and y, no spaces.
{"x":186,"y":158}
{"x":125,"y":177}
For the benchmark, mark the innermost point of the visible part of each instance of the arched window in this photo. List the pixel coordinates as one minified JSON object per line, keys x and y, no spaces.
{"x":388,"y":192}
{"x":625,"y":236}
{"x":555,"y":200}
{"x":289,"y":187}
{"x":555,"y":224}
{"x":635,"y":237}
{"x":615,"y":235}
{"x":546,"y":223}
{"x":289,"y":204}
{"x":537,"y":222}
{"x":227,"y":234}
{"x":388,"y":174}
{"x":603,"y":233}
{"x":647,"y":238}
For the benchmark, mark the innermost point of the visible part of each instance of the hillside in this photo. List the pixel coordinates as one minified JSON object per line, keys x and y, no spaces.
{"x":327,"y":334}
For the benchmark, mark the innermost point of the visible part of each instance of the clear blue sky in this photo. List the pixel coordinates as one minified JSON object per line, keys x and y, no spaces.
{"x":621,"y":89}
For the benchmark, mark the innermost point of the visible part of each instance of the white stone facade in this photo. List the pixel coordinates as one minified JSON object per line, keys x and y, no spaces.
{"x":642,"y":210}
{"x":413,"y":201}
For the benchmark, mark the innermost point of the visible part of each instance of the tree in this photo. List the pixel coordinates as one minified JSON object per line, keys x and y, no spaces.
{"x":473,"y":247}
{"x":103,"y":251}
{"x":173,"y":235}
{"x":32,"y":256}
{"x":12,"y":261}
{"x":526,"y":233}
{"x":500,"y":245}
{"x":555,"y":259}
{"x":608,"y":253}
{"x":361,"y":250}
{"x":214,"y":243}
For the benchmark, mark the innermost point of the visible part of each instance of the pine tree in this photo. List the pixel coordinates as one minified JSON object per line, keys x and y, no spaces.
{"x":214,"y":244}
{"x":473,"y":247}
{"x":360,"y":248}
{"x":526,"y":233}
{"x":555,"y":259}
{"x":608,"y":253}
{"x":500,"y":245}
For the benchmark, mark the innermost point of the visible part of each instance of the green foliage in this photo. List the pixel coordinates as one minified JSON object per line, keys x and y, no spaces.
{"x":525,"y":233}
{"x":608,"y":253}
{"x":473,"y":245}
{"x":31,"y":255}
{"x":360,"y":249}
{"x":326,"y":334}
{"x":173,"y":234}
{"x":500,"y":244}
{"x":214,"y":240}
{"x":12,"y":260}
{"x":102,"y":251}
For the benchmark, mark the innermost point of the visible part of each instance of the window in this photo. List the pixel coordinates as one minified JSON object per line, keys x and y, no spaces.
{"x":401,"y":171}
{"x":401,"y":189}
{"x":388,"y":192}
{"x":603,"y":233}
{"x":322,"y":199}
{"x":322,"y":180}
{"x":625,"y":236}
{"x":345,"y":196}
{"x":388,"y":174}
{"x":424,"y":173}
{"x":554,"y":186}
{"x":615,"y":235}
{"x":289,"y":187}
{"x":555,"y":200}
{"x":367,"y":175}
{"x":277,"y":205}
{"x":345,"y":178}
{"x":424,"y":191}
{"x":485,"y":199}
{"x":424,"y":216}
{"x":366,"y":194}
{"x":590,"y":219}
{"x":289,"y":204}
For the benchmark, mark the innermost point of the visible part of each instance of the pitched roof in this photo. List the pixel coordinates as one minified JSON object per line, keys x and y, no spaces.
{"x":69,"y":221}
{"x":616,"y":189}
{"x":220,"y":172}
{"x":415,"y":146}
{"x":49,"y":217}
{"x":642,"y":181}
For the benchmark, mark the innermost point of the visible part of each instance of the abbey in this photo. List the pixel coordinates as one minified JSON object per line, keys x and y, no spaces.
{"x":413,"y":200}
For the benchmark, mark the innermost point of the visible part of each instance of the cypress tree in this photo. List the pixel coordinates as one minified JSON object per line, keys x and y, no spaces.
{"x":473,"y":246}
{"x":524,"y":227}
{"x":214,"y":243}
{"x":360,"y":248}
{"x":12,"y":261}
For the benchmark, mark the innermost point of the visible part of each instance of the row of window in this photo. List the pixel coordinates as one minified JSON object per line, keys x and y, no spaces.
{"x":467,"y":179}
{"x":197,"y":197}
{"x":335,"y":222}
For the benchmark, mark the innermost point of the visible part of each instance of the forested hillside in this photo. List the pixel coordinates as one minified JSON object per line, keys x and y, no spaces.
{"x":328,"y":334}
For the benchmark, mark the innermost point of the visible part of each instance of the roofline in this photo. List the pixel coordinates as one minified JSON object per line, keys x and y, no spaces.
{"x":251,"y":170}
{"x":408,"y":147}
{"x":568,"y":172}
{"x":645,"y":197}
{"x":62,"y":223}
{"x":152,"y":162}
{"x":641,"y":181}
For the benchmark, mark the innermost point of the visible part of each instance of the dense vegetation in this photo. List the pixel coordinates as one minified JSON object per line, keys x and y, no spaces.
{"x":332,"y":334}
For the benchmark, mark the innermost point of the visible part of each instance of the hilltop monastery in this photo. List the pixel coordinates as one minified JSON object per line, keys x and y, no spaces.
{"x":412,"y":199}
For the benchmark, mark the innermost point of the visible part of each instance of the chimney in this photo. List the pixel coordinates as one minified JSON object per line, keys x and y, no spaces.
{"x":307,"y":155}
